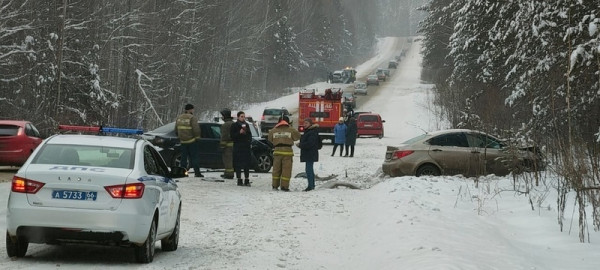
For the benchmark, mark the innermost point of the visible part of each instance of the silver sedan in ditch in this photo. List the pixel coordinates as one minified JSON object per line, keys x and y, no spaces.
{"x":459,"y":151}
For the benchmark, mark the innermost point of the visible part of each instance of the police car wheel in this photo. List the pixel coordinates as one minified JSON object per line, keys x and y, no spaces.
{"x":17,"y":247}
{"x":145,"y":252}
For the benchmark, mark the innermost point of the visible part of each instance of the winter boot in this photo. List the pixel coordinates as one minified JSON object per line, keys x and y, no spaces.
{"x":247,"y":182}
{"x":240,"y":182}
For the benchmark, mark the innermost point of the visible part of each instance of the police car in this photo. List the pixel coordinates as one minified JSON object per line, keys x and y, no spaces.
{"x":95,"y":189}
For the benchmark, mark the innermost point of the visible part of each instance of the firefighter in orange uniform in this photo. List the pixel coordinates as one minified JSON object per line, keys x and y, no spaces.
{"x":282,"y":136}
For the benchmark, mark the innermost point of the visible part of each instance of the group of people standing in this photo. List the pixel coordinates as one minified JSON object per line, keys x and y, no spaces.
{"x":236,"y":139}
{"x":283,"y":136}
{"x":345,"y":133}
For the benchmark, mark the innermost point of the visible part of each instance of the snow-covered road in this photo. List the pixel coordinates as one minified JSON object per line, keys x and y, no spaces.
{"x":392,"y":223}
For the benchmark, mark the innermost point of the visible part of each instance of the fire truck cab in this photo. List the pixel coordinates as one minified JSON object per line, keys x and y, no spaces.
{"x":324,"y":109}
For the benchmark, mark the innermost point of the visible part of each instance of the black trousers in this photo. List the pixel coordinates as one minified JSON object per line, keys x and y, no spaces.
{"x":335,"y":146}
{"x":351,"y":150}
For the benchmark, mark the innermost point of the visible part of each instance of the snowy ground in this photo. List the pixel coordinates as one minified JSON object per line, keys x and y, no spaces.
{"x":392,"y":223}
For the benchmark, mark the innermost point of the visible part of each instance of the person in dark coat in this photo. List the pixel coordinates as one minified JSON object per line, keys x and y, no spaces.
{"x":242,"y":156}
{"x":351,"y":133}
{"x":309,"y":150}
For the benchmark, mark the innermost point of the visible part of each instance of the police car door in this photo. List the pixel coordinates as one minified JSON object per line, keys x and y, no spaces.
{"x":158,"y":184}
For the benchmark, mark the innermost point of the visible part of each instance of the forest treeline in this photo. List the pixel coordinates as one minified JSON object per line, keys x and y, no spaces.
{"x":528,"y":71}
{"x":135,"y":63}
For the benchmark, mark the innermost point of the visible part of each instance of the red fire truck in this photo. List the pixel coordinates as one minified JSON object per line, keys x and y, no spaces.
{"x":324,"y":109}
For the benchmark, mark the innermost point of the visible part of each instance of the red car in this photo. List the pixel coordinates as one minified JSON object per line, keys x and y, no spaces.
{"x":18,"y":139}
{"x":370,"y":124}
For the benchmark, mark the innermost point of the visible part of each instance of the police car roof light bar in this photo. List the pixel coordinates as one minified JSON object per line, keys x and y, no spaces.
{"x":122,"y":130}
{"x":79,"y":128}
{"x":99,"y":129}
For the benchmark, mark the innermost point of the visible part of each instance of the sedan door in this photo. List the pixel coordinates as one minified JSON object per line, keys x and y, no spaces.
{"x":493,"y":156}
{"x":451,"y":151}
{"x":157,"y":181}
{"x":210,"y":151}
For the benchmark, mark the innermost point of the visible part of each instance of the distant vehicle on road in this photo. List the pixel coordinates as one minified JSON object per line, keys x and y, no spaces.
{"x":373,"y":79}
{"x":270,"y":118}
{"x":369,"y":124}
{"x":18,"y":139}
{"x":360,"y":88}
{"x":349,"y":99}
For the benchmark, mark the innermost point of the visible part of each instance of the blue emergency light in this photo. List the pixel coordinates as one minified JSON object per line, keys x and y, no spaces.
{"x":122,"y":130}
{"x":99,"y":129}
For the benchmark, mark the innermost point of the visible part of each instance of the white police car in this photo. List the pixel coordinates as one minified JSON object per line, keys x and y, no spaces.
{"x":94,"y":189}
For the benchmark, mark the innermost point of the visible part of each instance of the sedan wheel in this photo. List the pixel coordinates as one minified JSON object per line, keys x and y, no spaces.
{"x":428,"y":169}
{"x":17,"y":247}
{"x":265,"y":162}
{"x":145,"y":252}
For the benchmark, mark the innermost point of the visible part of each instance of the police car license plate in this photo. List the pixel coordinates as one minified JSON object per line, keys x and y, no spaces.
{"x":74,"y":195}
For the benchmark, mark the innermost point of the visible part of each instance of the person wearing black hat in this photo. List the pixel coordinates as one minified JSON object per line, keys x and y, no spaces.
{"x":188,"y":132}
{"x":227,"y":143}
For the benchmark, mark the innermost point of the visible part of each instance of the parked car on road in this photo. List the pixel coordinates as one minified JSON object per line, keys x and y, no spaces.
{"x":210,"y":152}
{"x":459,"y":151}
{"x":360,"y":88}
{"x":349,"y":100}
{"x":369,"y":124}
{"x":92,"y":189}
{"x":385,"y":71}
{"x":270,"y":118}
{"x":373,"y":79}
{"x":393,"y":64}
{"x":18,"y":139}
{"x":381,"y":75}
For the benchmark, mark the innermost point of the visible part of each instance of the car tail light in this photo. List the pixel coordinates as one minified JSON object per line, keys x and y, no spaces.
{"x":262,"y":118}
{"x":129,"y":191}
{"x":401,"y":154}
{"x":23,"y":185}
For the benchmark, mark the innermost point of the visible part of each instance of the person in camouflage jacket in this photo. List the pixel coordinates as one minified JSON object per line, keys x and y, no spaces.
{"x":188,"y":132}
{"x":226,"y":144}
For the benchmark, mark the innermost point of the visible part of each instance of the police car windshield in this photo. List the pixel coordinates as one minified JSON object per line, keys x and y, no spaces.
{"x":84,"y":155}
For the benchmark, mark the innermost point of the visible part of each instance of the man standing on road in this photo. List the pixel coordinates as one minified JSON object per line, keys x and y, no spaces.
{"x":282,"y":136}
{"x":188,"y":131}
{"x":309,"y":145}
{"x":227,"y":143}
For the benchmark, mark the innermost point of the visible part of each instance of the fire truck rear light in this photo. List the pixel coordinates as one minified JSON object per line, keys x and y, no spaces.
{"x":23,"y":185}
{"x":129,"y":191}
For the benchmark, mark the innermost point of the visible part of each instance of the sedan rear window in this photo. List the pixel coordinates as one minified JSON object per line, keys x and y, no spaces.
{"x":273,"y":112}
{"x":368,"y":118}
{"x":8,"y":130}
{"x":83,"y":155}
